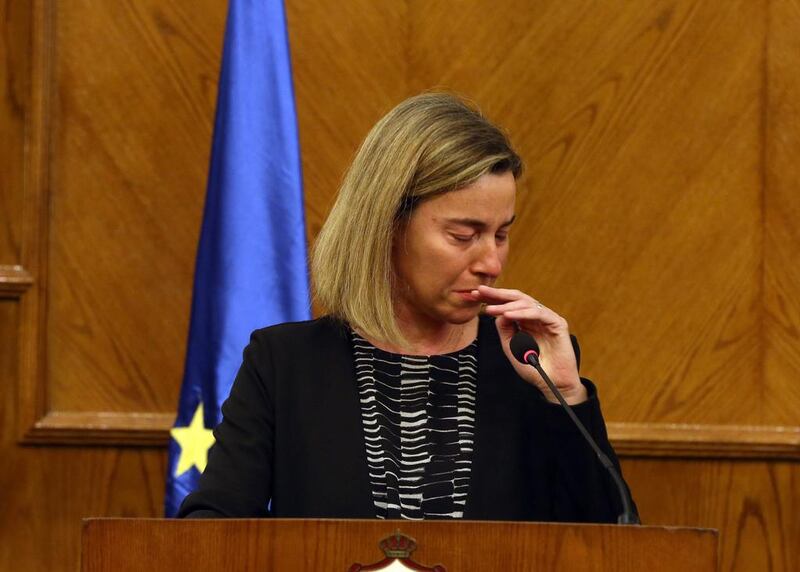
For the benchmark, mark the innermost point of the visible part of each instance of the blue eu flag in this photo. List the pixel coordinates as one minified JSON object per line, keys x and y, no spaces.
{"x":251,"y":262}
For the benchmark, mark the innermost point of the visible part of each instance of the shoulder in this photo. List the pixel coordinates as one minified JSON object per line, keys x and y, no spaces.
{"x":325,"y":326}
{"x":294,"y":349}
{"x":296,"y":341}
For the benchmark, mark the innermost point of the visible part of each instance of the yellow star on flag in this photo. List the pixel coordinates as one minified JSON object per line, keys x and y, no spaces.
{"x":195,"y":441}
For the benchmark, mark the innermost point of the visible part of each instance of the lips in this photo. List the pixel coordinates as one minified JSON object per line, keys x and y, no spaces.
{"x":466,"y":295}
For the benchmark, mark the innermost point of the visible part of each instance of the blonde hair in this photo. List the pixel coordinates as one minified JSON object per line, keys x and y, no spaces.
{"x":430,"y":144}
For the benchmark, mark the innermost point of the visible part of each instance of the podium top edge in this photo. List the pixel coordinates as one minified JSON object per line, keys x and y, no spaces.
{"x":88,"y":521}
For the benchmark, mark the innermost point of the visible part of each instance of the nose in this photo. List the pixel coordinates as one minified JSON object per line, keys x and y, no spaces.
{"x":488,"y":261}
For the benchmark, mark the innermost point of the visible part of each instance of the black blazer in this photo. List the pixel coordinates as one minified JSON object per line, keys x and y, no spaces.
{"x":292,"y":438}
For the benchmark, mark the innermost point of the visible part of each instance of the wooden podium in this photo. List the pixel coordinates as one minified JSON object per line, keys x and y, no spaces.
{"x":157,"y":545}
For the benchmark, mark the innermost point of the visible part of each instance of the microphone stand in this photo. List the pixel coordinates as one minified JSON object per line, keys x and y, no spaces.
{"x":628,"y":516}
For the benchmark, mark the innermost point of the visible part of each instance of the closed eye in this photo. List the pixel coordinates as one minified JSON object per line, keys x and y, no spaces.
{"x":463,"y":237}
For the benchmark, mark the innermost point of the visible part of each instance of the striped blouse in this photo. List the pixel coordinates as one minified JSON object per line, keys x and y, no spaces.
{"x":418,"y":414}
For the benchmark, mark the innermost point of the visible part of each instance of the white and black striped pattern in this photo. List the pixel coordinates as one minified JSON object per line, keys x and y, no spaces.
{"x":418,"y":414}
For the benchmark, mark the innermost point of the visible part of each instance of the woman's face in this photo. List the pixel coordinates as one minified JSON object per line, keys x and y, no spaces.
{"x":449,"y":246}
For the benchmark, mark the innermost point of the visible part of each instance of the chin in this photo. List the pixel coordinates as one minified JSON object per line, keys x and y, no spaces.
{"x":463,"y":315}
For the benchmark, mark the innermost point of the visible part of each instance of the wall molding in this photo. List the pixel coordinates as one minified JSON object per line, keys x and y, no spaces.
{"x":14,"y":281}
{"x":101,"y":428}
{"x":665,"y":440}
{"x":32,"y":391}
{"x":709,"y":441}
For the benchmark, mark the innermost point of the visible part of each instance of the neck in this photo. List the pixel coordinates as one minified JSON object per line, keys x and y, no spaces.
{"x":430,"y":337}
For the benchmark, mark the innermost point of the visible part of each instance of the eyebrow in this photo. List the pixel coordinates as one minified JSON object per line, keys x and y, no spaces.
{"x":475,"y":223}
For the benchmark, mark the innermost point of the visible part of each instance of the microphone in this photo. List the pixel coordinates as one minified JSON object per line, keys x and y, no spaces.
{"x":526,"y":350}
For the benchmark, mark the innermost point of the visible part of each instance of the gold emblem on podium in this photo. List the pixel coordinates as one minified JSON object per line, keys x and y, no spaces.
{"x":397,"y":550}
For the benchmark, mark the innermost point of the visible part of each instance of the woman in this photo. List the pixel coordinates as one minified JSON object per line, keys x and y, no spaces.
{"x":405,"y":401}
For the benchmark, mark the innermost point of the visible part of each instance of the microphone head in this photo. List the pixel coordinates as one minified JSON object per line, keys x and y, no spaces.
{"x":523,"y":345}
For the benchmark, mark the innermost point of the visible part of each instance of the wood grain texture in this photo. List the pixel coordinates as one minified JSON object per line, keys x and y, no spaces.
{"x":31,"y":386}
{"x":350,"y":67}
{"x":781,"y":393}
{"x":14,"y":281}
{"x":640,"y":216}
{"x":666,"y":440}
{"x":102,"y":428}
{"x":306,"y":545}
{"x":126,"y":257}
{"x":15,"y":74}
{"x":133,"y":112}
{"x":44,"y":492}
{"x":659,"y":214}
{"x":754,"y":505}
{"x":641,"y":76}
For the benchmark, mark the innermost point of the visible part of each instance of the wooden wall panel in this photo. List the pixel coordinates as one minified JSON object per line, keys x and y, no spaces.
{"x":350,"y":67}
{"x":133,"y":259}
{"x":753,"y":504}
{"x":782,"y":215}
{"x":132,"y":114}
{"x":641,"y":131}
{"x":658,"y":214}
{"x":45,"y":492}
{"x":9,"y":481}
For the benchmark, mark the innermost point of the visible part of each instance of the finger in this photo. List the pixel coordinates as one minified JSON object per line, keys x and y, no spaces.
{"x":500,"y":294}
{"x":507,"y":307}
{"x":505,"y":326}
{"x":542,"y":315}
